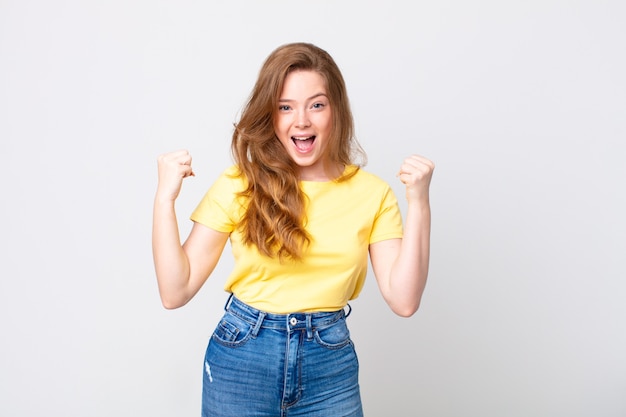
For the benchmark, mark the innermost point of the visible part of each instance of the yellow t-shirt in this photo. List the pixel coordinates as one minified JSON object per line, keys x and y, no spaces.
{"x":343,"y":218}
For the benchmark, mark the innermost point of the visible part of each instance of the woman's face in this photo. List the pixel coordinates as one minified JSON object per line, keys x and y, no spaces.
{"x":303,"y":122}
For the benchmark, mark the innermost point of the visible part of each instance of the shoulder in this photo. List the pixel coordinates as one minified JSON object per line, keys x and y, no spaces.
{"x":231,"y":177}
{"x":366,"y":178}
{"x":232,"y":171}
{"x":373,"y":188}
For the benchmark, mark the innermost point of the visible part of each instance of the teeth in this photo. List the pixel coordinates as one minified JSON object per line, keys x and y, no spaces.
{"x":304,"y":138}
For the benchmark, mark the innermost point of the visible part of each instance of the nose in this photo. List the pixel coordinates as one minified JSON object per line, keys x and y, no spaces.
{"x":302,"y":119}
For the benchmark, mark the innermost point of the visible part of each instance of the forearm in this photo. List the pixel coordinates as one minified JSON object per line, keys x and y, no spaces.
{"x":410,"y":270}
{"x":170,"y":261}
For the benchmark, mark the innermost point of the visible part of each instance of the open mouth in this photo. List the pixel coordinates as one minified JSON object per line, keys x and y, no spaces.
{"x":303,"y":143}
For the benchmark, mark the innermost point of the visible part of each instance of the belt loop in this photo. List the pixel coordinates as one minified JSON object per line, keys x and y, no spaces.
{"x":230,"y":299}
{"x":257,"y":326}
{"x":309,"y":327}
{"x":349,"y":310}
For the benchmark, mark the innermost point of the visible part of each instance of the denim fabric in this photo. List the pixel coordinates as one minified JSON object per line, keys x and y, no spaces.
{"x":274,"y":365}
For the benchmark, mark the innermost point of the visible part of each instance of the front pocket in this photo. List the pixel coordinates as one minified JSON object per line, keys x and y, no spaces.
{"x":232,"y":331}
{"x":335,"y":336}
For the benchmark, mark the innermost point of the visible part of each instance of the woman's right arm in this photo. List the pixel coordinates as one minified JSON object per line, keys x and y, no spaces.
{"x":180,"y":269}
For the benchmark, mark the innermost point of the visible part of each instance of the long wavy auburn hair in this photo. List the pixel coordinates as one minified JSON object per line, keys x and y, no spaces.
{"x":274,"y":218}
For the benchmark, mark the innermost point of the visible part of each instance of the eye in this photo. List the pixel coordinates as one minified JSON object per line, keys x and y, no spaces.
{"x":318,"y":105}
{"x":284,"y":107}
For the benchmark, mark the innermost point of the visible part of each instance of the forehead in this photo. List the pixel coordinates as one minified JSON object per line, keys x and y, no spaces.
{"x":303,"y":82}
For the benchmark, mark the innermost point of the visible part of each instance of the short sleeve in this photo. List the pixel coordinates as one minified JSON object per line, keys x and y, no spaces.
{"x":388,"y":221}
{"x":219,"y":209}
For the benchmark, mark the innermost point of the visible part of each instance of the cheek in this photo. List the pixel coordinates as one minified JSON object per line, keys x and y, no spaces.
{"x":282,"y":134}
{"x":328,"y":126}
{"x":281,"y":126}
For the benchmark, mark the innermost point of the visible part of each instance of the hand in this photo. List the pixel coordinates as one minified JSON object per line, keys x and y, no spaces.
{"x":416,"y":173}
{"x":173,"y":168}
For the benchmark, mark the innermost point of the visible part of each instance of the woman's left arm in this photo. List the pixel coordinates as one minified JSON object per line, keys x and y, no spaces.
{"x":401,"y":265}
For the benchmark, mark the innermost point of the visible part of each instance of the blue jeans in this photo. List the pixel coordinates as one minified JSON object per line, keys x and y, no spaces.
{"x":260,"y":364}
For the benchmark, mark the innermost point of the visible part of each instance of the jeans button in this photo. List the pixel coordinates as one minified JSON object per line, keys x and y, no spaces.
{"x":293,"y":321}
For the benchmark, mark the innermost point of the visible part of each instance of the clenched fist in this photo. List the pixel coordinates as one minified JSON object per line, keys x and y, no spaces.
{"x":173,"y":168}
{"x":416,"y":173}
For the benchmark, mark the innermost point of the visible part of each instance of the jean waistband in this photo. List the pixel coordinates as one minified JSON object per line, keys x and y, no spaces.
{"x":291,"y":321}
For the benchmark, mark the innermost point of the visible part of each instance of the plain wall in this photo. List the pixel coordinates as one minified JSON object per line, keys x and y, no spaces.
{"x":521,"y":105}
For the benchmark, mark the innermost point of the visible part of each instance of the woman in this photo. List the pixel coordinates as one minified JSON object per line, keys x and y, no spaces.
{"x":302,"y":218}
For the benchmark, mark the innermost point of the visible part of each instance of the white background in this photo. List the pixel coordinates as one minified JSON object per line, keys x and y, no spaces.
{"x":521,"y":104}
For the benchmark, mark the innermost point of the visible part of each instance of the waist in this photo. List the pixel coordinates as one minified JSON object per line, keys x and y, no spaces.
{"x":291,"y":321}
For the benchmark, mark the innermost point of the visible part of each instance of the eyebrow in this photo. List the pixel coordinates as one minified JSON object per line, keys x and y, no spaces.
{"x":286,"y":100}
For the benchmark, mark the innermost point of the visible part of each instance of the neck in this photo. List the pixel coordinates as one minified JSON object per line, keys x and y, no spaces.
{"x":328,"y":173}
